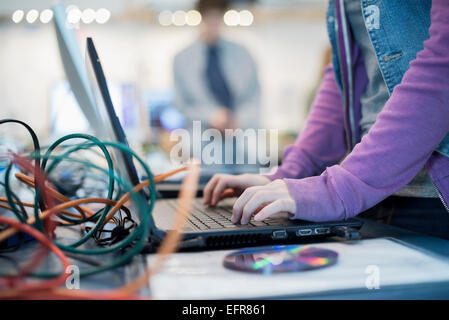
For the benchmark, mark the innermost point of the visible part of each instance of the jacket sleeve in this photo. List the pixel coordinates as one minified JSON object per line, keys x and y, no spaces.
{"x":322,"y":143}
{"x":248,"y":102}
{"x":408,"y":129}
{"x":184,"y":101}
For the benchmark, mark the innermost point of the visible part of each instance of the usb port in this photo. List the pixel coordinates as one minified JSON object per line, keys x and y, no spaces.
{"x":322,"y":230}
{"x":279,"y":234}
{"x":303,"y":232}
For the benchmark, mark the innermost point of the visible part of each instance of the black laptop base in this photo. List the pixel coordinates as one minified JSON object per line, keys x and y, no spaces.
{"x":304,"y":233}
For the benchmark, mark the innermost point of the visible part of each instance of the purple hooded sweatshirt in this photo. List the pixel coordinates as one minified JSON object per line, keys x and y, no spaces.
{"x":407,"y":131}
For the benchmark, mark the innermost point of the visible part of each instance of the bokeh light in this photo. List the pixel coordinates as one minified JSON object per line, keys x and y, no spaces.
{"x":193,"y":18}
{"x":74,"y":15}
{"x":17,"y":16}
{"x":46,"y":15}
{"x":32,"y":16}
{"x":179,"y":18}
{"x":231,"y":18}
{"x":102,"y":15}
{"x":88,"y":15}
{"x":165,"y":18}
{"x":246,"y":18}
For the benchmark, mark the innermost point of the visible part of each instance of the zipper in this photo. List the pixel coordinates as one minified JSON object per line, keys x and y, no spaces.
{"x":440,"y":196}
{"x":343,"y":84}
{"x":349,"y":73}
{"x":347,"y":82}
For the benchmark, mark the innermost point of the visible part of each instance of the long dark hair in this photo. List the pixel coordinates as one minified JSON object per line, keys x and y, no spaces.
{"x":205,"y":5}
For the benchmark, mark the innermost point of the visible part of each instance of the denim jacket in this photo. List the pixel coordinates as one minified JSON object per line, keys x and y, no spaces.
{"x":394,"y":52}
{"x":412,"y":125}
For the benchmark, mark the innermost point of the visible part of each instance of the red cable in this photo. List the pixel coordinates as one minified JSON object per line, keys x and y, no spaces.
{"x":49,"y":224}
{"x":53,"y":283}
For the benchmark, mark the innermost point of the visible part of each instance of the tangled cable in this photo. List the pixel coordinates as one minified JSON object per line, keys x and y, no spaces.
{"x":53,"y":210}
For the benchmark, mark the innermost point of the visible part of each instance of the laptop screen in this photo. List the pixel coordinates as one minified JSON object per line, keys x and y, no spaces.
{"x":110,"y":127}
{"x":72,"y":61}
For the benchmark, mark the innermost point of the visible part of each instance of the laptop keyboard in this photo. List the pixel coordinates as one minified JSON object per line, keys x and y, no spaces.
{"x":203,"y":217}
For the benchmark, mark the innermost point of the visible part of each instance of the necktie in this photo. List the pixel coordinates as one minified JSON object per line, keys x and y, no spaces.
{"x":215,"y":79}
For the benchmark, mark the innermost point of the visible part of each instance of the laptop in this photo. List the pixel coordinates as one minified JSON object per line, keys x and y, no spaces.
{"x":207,"y":227}
{"x":73,"y":64}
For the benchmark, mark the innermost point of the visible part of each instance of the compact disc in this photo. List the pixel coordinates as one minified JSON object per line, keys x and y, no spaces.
{"x":276,"y":259}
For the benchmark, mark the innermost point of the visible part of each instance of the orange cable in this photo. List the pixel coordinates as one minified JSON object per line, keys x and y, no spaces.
{"x":167,"y":247}
{"x":45,"y":241}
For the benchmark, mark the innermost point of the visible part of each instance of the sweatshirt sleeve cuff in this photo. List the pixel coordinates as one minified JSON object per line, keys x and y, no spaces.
{"x":316,"y":199}
{"x":276,"y":175}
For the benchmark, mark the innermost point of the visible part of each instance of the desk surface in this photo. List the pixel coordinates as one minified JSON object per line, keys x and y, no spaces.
{"x":411,"y":266}
{"x":202,"y":275}
{"x":403,"y":259}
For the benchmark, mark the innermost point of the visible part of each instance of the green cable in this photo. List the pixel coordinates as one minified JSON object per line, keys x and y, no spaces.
{"x":110,"y":174}
{"x":75,"y":147}
{"x":141,"y":233}
{"x":87,"y":164}
{"x":36,"y":170}
{"x":9,"y":195}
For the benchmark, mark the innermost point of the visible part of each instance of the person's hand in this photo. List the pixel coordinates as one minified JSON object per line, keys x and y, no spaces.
{"x":222,"y":119}
{"x":263,"y":202}
{"x":221,"y":186}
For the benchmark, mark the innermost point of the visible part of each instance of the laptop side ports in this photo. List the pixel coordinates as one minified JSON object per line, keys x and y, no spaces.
{"x":279,"y":234}
{"x":304,"y":232}
{"x":322,"y":230}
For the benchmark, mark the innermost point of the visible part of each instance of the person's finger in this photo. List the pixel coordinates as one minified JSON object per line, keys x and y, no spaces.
{"x":241,"y":201}
{"x":258,"y":199}
{"x":228,"y":193}
{"x":223,"y":183}
{"x":277,"y":206}
{"x":207,"y":192}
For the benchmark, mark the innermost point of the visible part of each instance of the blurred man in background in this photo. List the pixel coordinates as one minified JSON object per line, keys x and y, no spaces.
{"x":215,"y":79}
